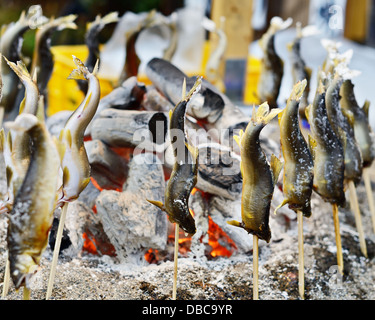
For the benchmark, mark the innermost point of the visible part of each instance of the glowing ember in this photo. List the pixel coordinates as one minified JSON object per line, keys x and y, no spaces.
{"x":221,"y":243}
{"x":89,"y":245}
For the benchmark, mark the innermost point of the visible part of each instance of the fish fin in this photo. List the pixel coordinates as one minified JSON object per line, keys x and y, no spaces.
{"x":170,"y":114}
{"x":96,"y":68}
{"x":81,"y":73}
{"x":366,"y":107}
{"x":289,"y":46}
{"x":2,"y":139}
{"x":87,"y":101}
{"x":238,"y":137}
{"x":60,"y":147}
{"x":183,"y":89}
{"x":22,"y":105}
{"x":235,"y":223}
{"x":298,"y":90}
{"x":66,"y":175}
{"x":349,"y":116}
{"x":342,"y":136}
{"x":281,"y":205}
{"x":84,"y":183}
{"x":307,"y":112}
{"x":276,"y":166}
{"x":66,"y":135}
{"x":9,"y":141}
{"x":196,"y":87}
{"x":264,"y":115}
{"x":278,"y":24}
{"x":158,"y":204}
{"x":312,"y":146}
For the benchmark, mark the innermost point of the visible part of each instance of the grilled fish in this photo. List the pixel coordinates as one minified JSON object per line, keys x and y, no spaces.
{"x":358,"y":117}
{"x":31,"y":217}
{"x":42,"y":62}
{"x":184,"y":174}
{"x":206,"y":105}
{"x":10,"y":47}
{"x":298,"y":162}
{"x":299,"y":69}
{"x":259,"y":178}
{"x":17,"y":145}
{"x":272,"y":66}
{"x":343,"y":130}
{"x":92,"y":42}
{"x":327,"y":152}
{"x":75,"y":164}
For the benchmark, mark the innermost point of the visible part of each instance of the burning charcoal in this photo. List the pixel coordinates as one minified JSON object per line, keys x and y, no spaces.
{"x":132,"y":224}
{"x":65,"y":240}
{"x":219,"y":171}
{"x":125,"y":128}
{"x":223,"y":210}
{"x":107,"y":168}
{"x":155,"y":101}
{"x":128,"y":96}
{"x":89,"y":194}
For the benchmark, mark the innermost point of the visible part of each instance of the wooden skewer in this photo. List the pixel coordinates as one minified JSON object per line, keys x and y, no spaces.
{"x":357,"y":215}
{"x":176,"y":237}
{"x":336,"y":221}
{"x":301,"y":263}
{"x":6,"y":279}
{"x":26,"y":293}
{"x":255,"y":268}
{"x":56,"y":250}
{"x":370,"y":197}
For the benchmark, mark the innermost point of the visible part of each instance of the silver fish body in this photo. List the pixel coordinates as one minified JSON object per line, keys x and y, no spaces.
{"x":32,"y":214}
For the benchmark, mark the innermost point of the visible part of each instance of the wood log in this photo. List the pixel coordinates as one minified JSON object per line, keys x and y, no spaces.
{"x":126,"y":128}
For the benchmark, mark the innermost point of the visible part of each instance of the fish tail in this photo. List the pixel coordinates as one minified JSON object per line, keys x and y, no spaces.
{"x":102,"y":21}
{"x":276,"y":166}
{"x":298,"y":90}
{"x":20,"y":70}
{"x":66,"y":22}
{"x":263,"y":115}
{"x":81,"y":73}
{"x":278,"y":24}
{"x":196,"y":87}
{"x":235,"y":223}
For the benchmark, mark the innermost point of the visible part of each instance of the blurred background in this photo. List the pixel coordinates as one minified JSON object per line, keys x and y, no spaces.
{"x":351,"y":22}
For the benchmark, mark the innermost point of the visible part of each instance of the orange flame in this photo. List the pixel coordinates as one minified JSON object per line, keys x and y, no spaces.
{"x":89,"y":245}
{"x":217,"y":237}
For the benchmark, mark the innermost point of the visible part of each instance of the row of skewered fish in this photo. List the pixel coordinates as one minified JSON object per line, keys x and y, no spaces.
{"x":43,"y":173}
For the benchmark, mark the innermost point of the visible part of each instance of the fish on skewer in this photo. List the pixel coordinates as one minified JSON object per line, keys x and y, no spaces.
{"x":329,"y":161}
{"x":298,"y":162}
{"x":258,"y":182}
{"x":31,"y":217}
{"x":17,"y":145}
{"x":298,"y":169}
{"x":75,"y":164}
{"x":327,"y":152}
{"x":258,"y":176}
{"x":359,"y":118}
{"x":272,"y":66}
{"x":10,"y":47}
{"x":299,"y":69}
{"x":42,"y":62}
{"x":92,"y":42}
{"x":184,"y":174}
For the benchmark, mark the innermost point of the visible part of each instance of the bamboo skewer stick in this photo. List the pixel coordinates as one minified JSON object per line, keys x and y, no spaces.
{"x":370,"y":197}
{"x":26,"y":293}
{"x":301,"y":260}
{"x":176,"y":237}
{"x":56,"y":250}
{"x":255,"y":268}
{"x":336,"y":221}
{"x":6,"y":279}
{"x":357,"y":215}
